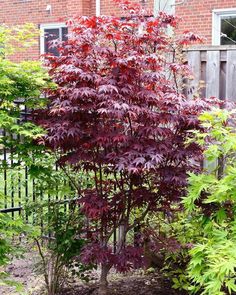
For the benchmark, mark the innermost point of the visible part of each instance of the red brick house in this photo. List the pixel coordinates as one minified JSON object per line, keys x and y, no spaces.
{"x":213,"y":19}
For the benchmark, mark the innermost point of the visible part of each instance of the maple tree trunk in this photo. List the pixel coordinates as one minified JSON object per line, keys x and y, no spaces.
{"x":103,"y":284}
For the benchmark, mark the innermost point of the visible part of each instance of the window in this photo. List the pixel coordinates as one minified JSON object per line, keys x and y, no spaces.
{"x":224,"y":27}
{"x":51,"y":32}
{"x":167,"y":6}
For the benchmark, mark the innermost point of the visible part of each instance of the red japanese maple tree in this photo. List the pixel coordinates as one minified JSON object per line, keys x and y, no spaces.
{"x":118,"y":113}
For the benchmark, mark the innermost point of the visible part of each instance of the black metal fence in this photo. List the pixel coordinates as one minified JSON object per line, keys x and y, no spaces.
{"x":14,"y":186}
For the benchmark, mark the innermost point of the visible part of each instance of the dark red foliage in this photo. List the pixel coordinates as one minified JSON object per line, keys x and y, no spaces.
{"x":118,"y":113}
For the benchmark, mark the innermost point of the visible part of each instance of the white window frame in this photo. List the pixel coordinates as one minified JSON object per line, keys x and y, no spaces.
{"x":167,"y":6}
{"x":43,"y":27}
{"x":216,"y":22}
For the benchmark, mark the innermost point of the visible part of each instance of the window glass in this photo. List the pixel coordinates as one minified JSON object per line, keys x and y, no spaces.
{"x":53,"y":34}
{"x":64,"y":34}
{"x":167,"y":6}
{"x":228,"y":30}
{"x":49,"y":35}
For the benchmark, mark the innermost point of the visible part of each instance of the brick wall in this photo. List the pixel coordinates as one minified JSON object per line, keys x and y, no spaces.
{"x":14,"y":12}
{"x":197,"y":15}
{"x":34,"y":11}
{"x":108,"y":7}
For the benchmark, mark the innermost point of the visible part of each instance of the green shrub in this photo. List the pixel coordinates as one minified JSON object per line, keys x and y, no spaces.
{"x":210,"y":207}
{"x":23,"y":82}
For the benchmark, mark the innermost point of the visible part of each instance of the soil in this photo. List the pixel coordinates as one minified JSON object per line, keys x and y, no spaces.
{"x":22,"y":270}
{"x":135,"y":284}
{"x":22,"y":273}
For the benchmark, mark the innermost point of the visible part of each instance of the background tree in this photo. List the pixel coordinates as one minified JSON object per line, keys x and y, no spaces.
{"x":119,"y":115}
{"x":20,"y":84}
{"x":22,"y":88}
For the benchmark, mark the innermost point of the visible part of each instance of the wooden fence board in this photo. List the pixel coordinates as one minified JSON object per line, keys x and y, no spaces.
{"x":231,"y":75}
{"x":223,"y":80}
{"x":213,"y":74}
{"x":194,"y":62}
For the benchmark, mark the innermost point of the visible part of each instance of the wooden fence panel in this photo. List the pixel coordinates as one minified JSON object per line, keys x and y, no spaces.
{"x":215,"y":68}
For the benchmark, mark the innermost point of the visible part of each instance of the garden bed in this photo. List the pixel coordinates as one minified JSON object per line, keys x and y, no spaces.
{"x":23,"y":271}
{"x":136,"y":284}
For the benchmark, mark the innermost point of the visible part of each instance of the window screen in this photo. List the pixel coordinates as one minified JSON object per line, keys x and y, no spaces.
{"x":53,"y":34}
{"x":228,"y":30}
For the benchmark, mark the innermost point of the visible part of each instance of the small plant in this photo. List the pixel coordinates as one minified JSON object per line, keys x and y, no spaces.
{"x":54,"y":209}
{"x":8,"y":229}
{"x":183,"y":230}
{"x":60,"y":249}
{"x":10,"y":232}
